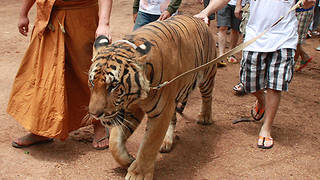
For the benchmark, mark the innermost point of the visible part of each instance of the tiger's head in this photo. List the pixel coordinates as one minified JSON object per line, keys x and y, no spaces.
{"x":116,"y":80}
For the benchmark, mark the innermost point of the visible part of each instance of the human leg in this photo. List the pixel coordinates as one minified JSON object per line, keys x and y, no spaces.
{"x":298,"y":53}
{"x":235,"y":27}
{"x":254,"y":66}
{"x":304,"y":19}
{"x":265,"y":140}
{"x":258,"y":108}
{"x":281,"y":62}
{"x":272,"y":101}
{"x":223,"y":23}
{"x":222,"y":35}
{"x":234,"y":38}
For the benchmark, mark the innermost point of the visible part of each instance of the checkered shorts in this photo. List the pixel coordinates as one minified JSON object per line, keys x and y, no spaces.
{"x":267,"y":70}
{"x":304,"y":19}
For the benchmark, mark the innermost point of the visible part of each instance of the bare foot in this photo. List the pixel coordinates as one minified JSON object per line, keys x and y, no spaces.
{"x":101,"y":137}
{"x":29,"y":140}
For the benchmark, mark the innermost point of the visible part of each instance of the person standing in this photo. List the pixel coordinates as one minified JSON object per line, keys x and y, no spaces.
{"x":50,"y":91}
{"x":147,"y":11}
{"x":268,"y":63}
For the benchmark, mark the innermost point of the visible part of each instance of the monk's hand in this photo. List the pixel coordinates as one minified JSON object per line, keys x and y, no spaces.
{"x":200,"y":1}
{"x":104,"y":29}
{"x":23,"y":25}
{"x":306,"y":4}
{"x":238,"y":12}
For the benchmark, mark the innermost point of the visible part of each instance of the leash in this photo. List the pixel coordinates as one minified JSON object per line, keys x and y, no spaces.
{"x":229,"y":53}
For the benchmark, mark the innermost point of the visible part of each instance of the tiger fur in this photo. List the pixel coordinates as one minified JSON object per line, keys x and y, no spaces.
{"x":122,"y":73}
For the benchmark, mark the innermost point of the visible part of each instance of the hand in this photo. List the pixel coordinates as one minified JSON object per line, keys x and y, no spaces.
{"x":238,"y":12}
{"x":134,"y":17}
{"x":202,"y":16}
{"x":200,"y":1}
{"x":23,"y":25}
{"x":306,"y":4}
{"x":104,"y":30}
{"x":165,"y":15}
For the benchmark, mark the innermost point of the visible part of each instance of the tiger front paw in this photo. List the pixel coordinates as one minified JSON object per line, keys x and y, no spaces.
{"x":135,"y":172}
{"x":205,"y":119}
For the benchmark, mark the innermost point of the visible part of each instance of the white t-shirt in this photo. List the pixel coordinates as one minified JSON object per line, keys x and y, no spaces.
{"x":264,"y":13}
{"x":155,"y":7}
{"x":234,"y":2}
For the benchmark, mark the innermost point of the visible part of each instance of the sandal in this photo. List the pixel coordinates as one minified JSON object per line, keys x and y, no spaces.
{"x":302,"y":64}
{"x":256,"y":113}
{"x":17,"y":145}
{"x":221,"y":64}
{"x":239,"y":89}
{"x":102,"y":139}
{"x":232,"y":59}
{"x":309,"y":34}
{"x":262,"y":141}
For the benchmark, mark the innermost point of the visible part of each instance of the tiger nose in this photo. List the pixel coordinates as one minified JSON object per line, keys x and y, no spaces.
{"x":97,"y":114}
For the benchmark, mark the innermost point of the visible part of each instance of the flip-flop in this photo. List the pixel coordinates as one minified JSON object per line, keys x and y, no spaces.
{"x":262,"y":140}
{"x":303,"y":64}
{"x":16,"y":145}
{"x":256,"y":113}
{"x":232,"y":59}
{"x":239,"y":89}
{"x":103,"y":138}
{"x":222,"y":64}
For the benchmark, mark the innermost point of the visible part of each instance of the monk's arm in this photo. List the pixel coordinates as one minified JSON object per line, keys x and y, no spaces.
{"x":105,"y":7}
{"x":23,"y":23}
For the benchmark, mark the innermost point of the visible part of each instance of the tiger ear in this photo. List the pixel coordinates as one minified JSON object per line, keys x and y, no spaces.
{"x":144,"y":48}
{"x":101,"y":41}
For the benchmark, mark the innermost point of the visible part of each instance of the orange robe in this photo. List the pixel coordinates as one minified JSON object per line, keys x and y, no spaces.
{"x":50,"y":92}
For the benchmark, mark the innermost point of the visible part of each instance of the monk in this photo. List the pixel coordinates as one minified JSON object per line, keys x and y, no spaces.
{"x":50,"y":92}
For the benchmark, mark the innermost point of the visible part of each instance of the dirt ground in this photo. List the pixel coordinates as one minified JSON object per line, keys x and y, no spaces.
{"x":220,"y":151}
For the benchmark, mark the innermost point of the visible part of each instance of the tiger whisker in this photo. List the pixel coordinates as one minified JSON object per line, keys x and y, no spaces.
{"x":124,"y":119}
{"x":124,"y":125}
{"x":87,"y":119}
{"x":118,"y":124}
{"x":119,"y":121}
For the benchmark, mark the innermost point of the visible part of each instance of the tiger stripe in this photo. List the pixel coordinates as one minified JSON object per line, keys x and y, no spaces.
{"x":122,"y":73}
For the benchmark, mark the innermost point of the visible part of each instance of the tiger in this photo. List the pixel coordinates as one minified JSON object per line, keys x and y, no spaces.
{"x":123,"y":74}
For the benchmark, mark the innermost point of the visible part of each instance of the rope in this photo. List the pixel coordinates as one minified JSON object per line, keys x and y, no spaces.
{"x":227,"y":54}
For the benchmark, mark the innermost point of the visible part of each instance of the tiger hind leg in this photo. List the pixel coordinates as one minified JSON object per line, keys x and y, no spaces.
{"x":206,"y":88}
{"x":168,"y":139}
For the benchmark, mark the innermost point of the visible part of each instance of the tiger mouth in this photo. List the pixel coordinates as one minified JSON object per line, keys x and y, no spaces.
{"x":110,"y":119}
{"x":110,"y":116}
